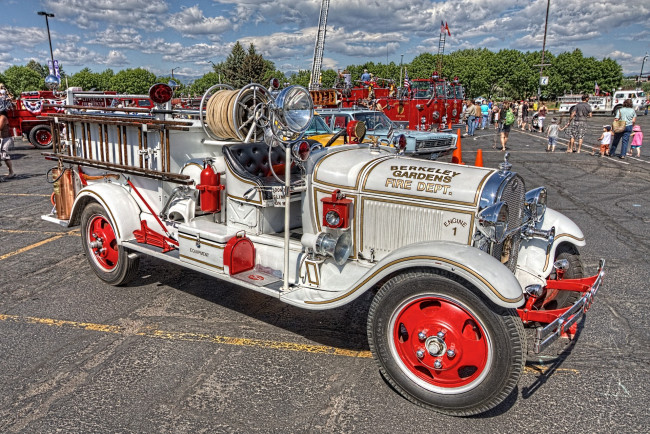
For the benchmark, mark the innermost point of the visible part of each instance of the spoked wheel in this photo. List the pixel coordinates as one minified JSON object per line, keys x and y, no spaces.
{"x":442,"y":347}
{"x":109,"y":261}
{"x":554,"y":298}
{"x":41,"y":137}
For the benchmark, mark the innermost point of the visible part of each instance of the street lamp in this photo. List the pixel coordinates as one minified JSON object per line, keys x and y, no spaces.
{"x":172,"y":83}
{"x":47,"y":23}
{"x":542,"y":64}
{"x":643,"y":63}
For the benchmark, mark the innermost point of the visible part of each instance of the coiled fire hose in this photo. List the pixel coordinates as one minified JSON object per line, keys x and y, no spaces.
{"x":233,"y":114}
{"x":219,"y":114}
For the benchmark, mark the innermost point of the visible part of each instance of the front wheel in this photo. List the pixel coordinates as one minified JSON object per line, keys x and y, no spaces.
{"x":556,"y":299}
{"x":109,"y":260}
{"x":442,"y":347}
{"x":41,"y":137}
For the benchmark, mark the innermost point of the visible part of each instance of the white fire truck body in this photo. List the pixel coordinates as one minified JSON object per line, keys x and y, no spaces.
{"x":466,"y":242}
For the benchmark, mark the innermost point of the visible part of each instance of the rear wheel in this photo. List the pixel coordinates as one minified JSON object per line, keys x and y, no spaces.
{"x":109,"y":260}
{"x":442,"y":347}
{"x":41,"y":137}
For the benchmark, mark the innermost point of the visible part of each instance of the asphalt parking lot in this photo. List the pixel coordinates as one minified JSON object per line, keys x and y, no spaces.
{"x":176,"y":351}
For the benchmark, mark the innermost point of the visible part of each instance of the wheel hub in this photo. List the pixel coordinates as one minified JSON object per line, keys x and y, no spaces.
{"x":435,"y":346}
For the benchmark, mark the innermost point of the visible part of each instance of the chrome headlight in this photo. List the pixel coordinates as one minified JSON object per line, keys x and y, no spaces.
{"x":493,"y":222}
{"x":536,"y":203}
{"x":295,"y":108}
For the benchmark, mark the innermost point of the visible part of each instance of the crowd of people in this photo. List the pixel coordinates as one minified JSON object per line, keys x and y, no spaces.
{"x":531,"y":116}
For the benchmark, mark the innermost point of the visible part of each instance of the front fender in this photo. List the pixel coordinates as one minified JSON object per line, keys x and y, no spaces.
{"x":533,"y":258}
{"x":121,"y":207}
{"x":485,"y":272}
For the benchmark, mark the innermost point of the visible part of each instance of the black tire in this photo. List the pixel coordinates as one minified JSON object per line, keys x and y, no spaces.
{"x":41,"y":137}
{"x":110,"y":261}
{"x":561,"y":299}
{"x":488,"y":342}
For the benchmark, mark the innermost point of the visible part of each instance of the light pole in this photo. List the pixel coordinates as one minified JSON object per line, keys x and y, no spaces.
{"x":643,"y":63}
{"x":401,"y":60}
{"x":47,"y":24}
{"x":542,"y":64}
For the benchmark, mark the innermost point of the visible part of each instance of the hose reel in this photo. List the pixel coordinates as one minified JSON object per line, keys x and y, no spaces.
{"x":235,"y":114}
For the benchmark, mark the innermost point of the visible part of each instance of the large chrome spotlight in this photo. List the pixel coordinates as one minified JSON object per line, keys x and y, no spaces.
{"x":294,"y":109}
{"x":52,"y":82}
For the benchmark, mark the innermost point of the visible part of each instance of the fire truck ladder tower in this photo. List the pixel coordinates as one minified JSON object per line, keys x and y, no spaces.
{"x":314,"y":80}
{"x":441,"y":51}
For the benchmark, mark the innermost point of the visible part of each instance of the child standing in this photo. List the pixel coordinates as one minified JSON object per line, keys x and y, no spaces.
{"x":637,"y":139}
{"x":605,"y":140}
{"x":552,"y":132}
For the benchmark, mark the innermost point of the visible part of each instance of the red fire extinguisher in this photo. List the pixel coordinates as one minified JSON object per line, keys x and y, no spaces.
{"x":210,"y":188}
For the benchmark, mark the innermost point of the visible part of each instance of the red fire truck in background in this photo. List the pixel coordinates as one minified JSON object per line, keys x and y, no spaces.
{"x":426,"y":104}
{"x":25,"y":115}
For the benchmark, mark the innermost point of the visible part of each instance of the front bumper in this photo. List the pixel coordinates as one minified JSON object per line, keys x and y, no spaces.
{"x":562,"y":322}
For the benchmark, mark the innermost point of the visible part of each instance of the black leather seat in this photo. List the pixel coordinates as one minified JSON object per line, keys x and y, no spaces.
{"x":251,"y":162}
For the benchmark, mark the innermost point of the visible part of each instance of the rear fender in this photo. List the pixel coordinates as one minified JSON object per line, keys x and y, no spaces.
{"x":121,"y":207}
{"x":491,"y":277}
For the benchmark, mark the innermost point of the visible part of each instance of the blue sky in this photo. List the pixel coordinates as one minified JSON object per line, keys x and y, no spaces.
{"x":187,"y":35}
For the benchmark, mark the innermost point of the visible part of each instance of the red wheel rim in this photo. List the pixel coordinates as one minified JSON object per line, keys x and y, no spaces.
{"x":102,"y":243}
{"x":44,"y":137}
{"x":440,"y":344}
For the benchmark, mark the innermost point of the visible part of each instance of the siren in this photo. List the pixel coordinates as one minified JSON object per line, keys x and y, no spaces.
{"x":160,"y":93}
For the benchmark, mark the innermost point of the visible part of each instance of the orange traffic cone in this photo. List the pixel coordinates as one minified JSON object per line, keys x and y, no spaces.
{"x":457,"y":156}
{"x":450,"y":125}
{"x":479,"y":158}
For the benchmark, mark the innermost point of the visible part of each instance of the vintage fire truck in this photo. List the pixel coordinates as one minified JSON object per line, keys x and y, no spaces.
{"x":25,"y":116}
{"x":431,"y":104}
{"x":458,"y":258}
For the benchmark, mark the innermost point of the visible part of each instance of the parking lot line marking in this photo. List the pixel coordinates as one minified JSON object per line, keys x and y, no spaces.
{"x":22,"y":231}
{"x":191,"y":337}
{"x":31,"y":246}
{"x":25,"y":194}
{"x":226,"y":340}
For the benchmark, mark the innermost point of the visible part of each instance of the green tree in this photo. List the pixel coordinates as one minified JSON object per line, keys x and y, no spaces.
{"x":105,"y":78}
{"x":300,"y":78}
{"x":232,"y":67}
{"x":133,"y":81}
{"x":42,"y":70}
{"x":253,"y":67}
{"x":86,"y":79}
{"x":21,"y":79}
{"x":200,"y":85}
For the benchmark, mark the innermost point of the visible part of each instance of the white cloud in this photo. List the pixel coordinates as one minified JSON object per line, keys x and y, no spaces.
{"x":114,"y":58}
{"x":191,"y":22}
{"x":94,"y":14}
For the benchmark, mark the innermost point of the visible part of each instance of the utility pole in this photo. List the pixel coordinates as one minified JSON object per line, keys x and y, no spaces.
{"x":47,"y":24}
{"x":542,"y":64}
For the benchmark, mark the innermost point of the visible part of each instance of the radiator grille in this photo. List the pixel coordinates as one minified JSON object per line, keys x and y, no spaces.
{"x":434,"y":143}
{"x":513,"y":195}
{"x":388,"y":226}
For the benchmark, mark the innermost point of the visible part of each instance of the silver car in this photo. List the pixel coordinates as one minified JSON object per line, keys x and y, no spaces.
{"x":424,"y":144}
